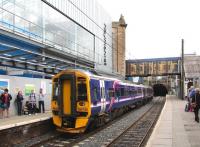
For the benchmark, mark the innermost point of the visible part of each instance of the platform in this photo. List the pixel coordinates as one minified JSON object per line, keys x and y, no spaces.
{"x":14,"y":121}
{"x":175,"y":127}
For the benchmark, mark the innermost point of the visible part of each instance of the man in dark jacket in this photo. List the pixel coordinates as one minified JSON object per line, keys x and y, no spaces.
{"x":196,"y":99}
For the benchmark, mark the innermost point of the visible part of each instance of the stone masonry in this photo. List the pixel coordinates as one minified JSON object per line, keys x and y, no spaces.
{"x":119,"y":47}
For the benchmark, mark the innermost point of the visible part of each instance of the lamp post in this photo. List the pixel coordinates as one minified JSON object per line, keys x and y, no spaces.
{"x":182,"y":69}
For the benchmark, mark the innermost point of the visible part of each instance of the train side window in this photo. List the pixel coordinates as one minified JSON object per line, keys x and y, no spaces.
{"x":111,"y":92}
{"x":135,"y":92}
{"x":82,"y":91}
{"x":139,"y":91}
{"x":122,"y":92}
{"x":117,"y":93}
{"x":95,"y":93}
{"x":130,"y":92}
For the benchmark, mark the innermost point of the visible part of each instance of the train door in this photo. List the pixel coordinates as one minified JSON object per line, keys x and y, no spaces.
{"x":68,"y":95}
{"x":103,"y":97}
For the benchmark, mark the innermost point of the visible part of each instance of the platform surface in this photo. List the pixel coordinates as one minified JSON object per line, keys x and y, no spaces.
{"x":175,"y":127}
{"x":14,"y":121}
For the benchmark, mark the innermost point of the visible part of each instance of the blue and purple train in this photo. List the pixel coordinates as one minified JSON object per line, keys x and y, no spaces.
{"x":81,"y":99}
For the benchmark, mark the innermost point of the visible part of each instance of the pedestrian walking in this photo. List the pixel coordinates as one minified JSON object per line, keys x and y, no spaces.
{"x":196,"y":104}
{"x":19,"y":100}
{"x":41,"y":101}
{"x":6,"y":98}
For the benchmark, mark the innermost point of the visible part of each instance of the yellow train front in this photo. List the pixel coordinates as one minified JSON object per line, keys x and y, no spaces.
{"x":81,"y":99}
{"x":71,"y":101}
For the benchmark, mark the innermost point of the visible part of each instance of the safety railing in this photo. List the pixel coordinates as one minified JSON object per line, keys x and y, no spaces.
{"x":20,"y":26}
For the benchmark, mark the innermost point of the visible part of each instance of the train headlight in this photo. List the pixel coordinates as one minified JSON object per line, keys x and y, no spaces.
{"x":82,"y":106}
{"x":82,"y":103}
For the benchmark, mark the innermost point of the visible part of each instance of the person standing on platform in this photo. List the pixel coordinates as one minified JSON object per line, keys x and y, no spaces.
{"x":191,"y":91}
{"x":6,"y":98}
{"x":41,"y":101}
{"x":191,"y":94}
{"x":1,"y":108}
{"x":19,"y":100}
{"x":196,"y":99}
{"x":32,"y":101}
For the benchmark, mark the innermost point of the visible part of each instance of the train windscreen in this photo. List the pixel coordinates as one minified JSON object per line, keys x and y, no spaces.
{"x":82,"y":89}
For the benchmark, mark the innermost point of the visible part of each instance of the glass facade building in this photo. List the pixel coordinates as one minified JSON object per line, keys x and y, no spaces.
{"x":81,"y":28}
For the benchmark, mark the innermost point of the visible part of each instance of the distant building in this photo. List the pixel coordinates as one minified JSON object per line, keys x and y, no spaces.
{"x":119,"y":47}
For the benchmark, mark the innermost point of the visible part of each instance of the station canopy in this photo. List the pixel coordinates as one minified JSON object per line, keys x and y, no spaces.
{"x":20,"y":53}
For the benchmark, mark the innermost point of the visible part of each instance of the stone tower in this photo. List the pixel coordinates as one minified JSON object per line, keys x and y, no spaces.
{"x":119,"y":47}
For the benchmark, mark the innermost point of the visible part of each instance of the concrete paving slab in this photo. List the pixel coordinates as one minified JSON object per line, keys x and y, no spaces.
{"x":175,"y":127}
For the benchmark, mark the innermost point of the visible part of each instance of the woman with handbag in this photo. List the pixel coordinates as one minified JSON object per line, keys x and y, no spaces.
{"x":196,"y":104}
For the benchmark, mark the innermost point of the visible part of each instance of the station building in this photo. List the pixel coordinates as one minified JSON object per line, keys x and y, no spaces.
{"x":39,"y":38}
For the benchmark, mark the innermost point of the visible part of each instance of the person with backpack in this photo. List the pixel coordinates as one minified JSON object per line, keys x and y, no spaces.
{"x":6,"y":98}
{"x":32,"y":101}
{"x":19,"y":100}
{"x":196,"y":104}
{"x":191,"y":94}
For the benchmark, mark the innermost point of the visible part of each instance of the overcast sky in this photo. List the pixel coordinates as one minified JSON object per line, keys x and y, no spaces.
{"x":156,"y":27}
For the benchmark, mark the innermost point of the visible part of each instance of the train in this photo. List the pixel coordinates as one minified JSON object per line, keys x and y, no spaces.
{"x":82,"y":99}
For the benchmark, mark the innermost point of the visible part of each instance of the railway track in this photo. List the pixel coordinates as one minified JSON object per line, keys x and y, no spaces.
{"x":135,"y":135}
{"x":114,"y":131}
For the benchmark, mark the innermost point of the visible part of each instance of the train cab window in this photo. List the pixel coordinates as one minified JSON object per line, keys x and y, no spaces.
{"x":82,"y":89}
{"x":55,"y":89}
